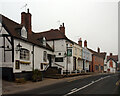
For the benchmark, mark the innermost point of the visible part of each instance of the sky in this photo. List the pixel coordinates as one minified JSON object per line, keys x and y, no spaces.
{"x":93,"y":20}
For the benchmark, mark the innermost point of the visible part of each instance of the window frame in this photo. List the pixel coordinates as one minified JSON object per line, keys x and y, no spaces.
{"x":24,"y":54}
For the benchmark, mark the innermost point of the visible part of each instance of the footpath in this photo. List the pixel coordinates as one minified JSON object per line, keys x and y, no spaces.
{"x":12,"y":87}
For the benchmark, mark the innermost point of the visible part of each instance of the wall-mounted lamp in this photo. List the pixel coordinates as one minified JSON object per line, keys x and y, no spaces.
{"x":18,"y":47}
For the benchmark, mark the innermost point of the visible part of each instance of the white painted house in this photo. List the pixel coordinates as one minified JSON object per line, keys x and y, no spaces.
{"x":112,"y":61}
{"x":87,"y":57}
{"x":20,"y":52}
{"x":62,"y":46}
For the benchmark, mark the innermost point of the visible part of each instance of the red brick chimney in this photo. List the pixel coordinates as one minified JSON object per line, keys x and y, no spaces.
{"x":80,"y":42}
{"x":110,"y":54}
{"x":62,"y":28}
{"x":98,"y":50}
{"x":26,"y":21}
{"x":85,"y":43}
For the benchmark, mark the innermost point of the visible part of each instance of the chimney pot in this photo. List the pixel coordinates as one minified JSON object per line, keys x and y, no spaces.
{"x":28,"y":10}
{"x":80,"y":42}
{"x":63,"y":24}
{"x":98,"y":50}
{"x":62,"y":29}
{"x":110,"y":54}
{"x":85,"y":43}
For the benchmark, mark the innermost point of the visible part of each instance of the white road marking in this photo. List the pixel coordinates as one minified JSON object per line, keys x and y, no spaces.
{"x":76,"y":90}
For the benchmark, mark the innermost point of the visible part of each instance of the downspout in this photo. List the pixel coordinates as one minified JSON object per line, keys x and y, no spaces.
{"x":53,"y":45}
{"x":33,"y":58}
{"x":12,"y":49}
{"x":92,"y":63}
{"x":4,"y":47}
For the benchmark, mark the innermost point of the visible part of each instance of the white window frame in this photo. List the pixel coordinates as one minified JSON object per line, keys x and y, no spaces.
{"x":24,"y":54}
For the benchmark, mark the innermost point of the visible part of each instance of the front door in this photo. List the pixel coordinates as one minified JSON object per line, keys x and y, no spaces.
{"x":49,"y":59}
{"x":74,"y":63}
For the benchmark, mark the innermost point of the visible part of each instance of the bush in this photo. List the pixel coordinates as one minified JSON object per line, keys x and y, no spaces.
{"x":37,"y":75}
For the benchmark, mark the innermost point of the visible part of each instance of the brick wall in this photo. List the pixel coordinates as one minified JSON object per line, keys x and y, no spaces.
{"x":98,"y":63}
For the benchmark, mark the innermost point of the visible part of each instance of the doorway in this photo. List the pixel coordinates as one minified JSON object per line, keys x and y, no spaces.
{"x":74,"y":63}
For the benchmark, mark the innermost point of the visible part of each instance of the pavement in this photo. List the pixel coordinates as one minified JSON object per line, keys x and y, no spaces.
{"x":14,"y":88}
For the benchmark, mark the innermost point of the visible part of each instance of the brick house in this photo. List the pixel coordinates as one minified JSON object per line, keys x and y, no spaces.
{"x":97,"y":64}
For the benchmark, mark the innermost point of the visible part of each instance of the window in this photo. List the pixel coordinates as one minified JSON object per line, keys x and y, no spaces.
{"x":41,"y":65}
{"x":24,"y":54}
{"x":23,"y":32}
{"x":101,"y":67}
{"x":59,"y":59}
{"x":105,"y":64}
{"x":45,"y":56}
{"x":96,"y":67}
{"x":59,"y":53}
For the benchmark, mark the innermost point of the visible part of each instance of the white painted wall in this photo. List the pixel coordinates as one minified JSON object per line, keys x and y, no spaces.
{"x":8,"y":54}
{"x":86,"y":55}
{"x":28,"y":46}
{"x":60,"y":47}
{"x":50,"y":43}
{"x":38,"y":57}
{"x":38,"y":54}
{"x":80,"y":65}
{"x":112,"y":70}
{"x":105,"y":67}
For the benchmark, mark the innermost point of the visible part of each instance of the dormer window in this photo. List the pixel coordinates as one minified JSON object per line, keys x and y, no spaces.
{"x":23,"y":32}
{"x":44,"y":41}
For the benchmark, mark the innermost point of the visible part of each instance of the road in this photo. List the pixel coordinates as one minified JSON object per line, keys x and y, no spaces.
{"x":100,"y":84}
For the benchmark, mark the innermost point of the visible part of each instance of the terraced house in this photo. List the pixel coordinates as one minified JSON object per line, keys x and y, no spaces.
{"x":87,"y":57}
{"x":77,"y":56}
{"x":98,"y":58}
{"x":62,"y":46}
{"x":24,"y":50}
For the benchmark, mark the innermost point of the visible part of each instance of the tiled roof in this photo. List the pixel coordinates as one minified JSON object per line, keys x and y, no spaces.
{"x":103,"y":54}
{"x":114,"y":57}
{"x":52,"y":34}
{"x":97,"y":54}
{"x":14,"y":30}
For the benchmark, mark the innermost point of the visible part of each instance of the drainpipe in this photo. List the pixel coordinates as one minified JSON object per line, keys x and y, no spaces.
{"x":33,"y":57}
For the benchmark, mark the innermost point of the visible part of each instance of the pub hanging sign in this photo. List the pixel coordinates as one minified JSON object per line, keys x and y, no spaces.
{"x":69,"y":52}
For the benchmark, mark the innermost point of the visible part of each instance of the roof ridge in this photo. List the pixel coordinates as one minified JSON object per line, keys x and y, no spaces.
{"x":10,"y":19}
{"x":47,"y":31}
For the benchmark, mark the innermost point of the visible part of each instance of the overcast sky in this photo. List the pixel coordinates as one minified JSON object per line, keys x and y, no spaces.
{"x":93,"y":20}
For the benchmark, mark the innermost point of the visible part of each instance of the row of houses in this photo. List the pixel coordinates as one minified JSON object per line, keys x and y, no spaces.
{"x":23,"y":51}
